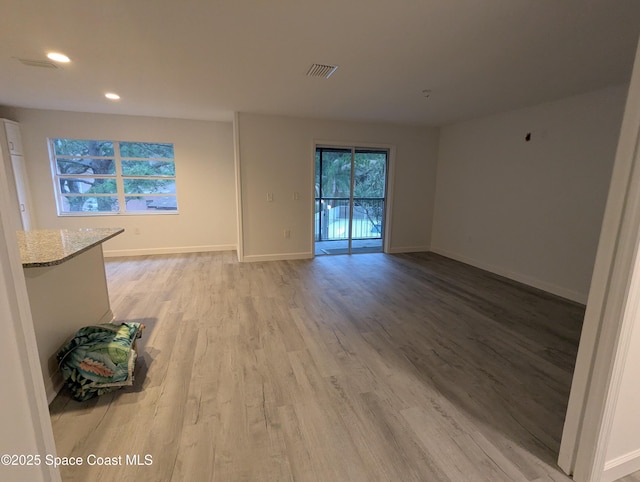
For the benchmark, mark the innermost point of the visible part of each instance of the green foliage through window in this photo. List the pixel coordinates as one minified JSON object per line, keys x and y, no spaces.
{"x":337,"y":186}
{"x":93,"y":176}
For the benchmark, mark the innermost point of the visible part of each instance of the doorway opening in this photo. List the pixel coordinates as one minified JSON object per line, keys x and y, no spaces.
{"x":350,"y":200}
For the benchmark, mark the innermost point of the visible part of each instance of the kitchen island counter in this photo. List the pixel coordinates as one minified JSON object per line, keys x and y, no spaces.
{"x":67,"y":287}
{"x":49,"y":247}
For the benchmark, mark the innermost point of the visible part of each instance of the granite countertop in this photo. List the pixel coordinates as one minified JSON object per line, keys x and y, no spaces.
{"x":49,"y":247}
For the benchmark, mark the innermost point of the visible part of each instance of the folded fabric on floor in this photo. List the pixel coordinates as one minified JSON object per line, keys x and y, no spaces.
{"x":99,"y":359}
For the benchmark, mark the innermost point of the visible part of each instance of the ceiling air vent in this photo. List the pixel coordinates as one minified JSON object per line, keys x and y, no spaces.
{"x":320,"y":70}
{"x":45,"y":64}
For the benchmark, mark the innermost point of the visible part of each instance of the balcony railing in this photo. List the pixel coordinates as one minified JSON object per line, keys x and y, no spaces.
{"x":332,"y":218}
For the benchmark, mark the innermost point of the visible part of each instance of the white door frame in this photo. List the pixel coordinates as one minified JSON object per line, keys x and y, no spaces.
{"x":614,"y":292}
{"x":391,"y":152}
{"x":238,"y":169}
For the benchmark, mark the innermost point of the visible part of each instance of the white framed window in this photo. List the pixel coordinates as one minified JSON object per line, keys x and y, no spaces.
{"x":94,"y":177}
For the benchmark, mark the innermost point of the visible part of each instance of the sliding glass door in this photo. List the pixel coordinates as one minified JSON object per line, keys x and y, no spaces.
{"x":350,"y":200}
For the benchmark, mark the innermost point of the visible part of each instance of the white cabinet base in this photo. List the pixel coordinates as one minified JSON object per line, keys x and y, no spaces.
{"x":63,"y":299}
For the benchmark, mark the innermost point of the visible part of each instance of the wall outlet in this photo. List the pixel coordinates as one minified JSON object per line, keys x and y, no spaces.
{"x":296,"y":196}
{"x":287,"y":233}
{"x":270,"y":197}
{"x":136,"y":231}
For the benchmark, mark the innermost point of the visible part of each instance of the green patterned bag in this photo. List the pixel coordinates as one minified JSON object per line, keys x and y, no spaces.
{"x":99,"y":359}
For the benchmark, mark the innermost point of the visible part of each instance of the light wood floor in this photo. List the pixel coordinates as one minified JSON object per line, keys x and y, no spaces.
{"x":344,"y":368}
{"x":635,"y":477}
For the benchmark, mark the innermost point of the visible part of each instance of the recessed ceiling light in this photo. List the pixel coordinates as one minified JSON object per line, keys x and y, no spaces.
{"x":112,"y":96}
{"x":58,"y":57}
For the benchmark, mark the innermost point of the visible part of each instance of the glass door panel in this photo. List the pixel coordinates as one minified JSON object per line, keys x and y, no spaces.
{"x":350,"y":200}
{"x":369,"y":185}
{"x":333,"y":182}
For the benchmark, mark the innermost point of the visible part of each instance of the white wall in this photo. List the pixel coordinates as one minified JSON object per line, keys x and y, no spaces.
{"x":24,"y":418}
{"x":204,"y":169}
{"x":623,"y":451}
{"x":18,"y":419}
{"x":530,"y":211}
{"x":276,"y":156}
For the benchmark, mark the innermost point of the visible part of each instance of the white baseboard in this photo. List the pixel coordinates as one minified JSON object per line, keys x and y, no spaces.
{"x":619,"y":467}
{"x":408,"y":249}
{"x":53,"y":385}
{"x":276,"y":257}
{"x":174,"y":250}
{"x":520,"y":278}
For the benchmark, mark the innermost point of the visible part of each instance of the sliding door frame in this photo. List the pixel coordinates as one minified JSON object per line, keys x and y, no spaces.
{"x":329,"y":144}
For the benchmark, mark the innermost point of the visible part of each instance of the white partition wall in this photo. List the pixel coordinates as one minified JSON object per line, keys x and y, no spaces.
{"x":24,"y":418}
{"x":596,"y":443}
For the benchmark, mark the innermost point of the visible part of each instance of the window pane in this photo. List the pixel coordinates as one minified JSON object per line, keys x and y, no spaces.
{"x":86,"y":166}
{"x":367,"y":218}
{"x":87,"y":185}
{"x":336,"y":173}
{"x":89,"y":178}
{"x":370,"y":174}
{"x":76,"y":147}
{"x":317,"y":178}
{"x":149,"y":186}
{"x":146,"y":149}
{"x":151,"y":203}
{"x":148,"y":168}
{"x":87,"y":204}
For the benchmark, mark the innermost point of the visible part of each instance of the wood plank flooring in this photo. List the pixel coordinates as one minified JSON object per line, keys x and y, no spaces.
{"x":349,"y":368}
{"x":635,"y":477}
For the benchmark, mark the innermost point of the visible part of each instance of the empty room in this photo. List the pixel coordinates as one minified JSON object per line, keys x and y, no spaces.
{"x":346,"y":240}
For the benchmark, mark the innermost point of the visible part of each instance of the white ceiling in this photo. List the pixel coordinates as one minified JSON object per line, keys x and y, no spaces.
{"x":204,"y":59}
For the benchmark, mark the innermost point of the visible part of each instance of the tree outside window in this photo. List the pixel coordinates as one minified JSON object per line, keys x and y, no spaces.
{"x":109,"y":177}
